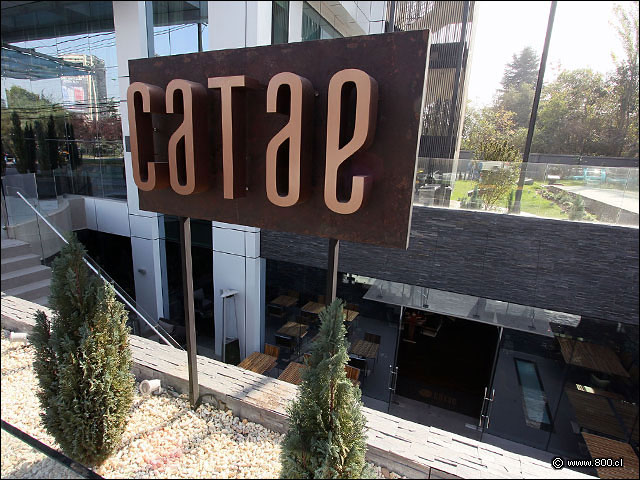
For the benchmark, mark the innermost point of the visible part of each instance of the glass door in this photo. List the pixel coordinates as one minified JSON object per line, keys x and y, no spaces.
{"x":393,"y":367}
{"x":373,"y":325}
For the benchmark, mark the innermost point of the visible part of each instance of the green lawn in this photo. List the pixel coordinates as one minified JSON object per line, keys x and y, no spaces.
{"x":531,"y":201}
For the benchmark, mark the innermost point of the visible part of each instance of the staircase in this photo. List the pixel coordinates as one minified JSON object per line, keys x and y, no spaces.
{"x":23,"y":275}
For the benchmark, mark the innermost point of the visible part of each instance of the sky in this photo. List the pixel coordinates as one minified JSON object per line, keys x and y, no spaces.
{"x":582,"y":37}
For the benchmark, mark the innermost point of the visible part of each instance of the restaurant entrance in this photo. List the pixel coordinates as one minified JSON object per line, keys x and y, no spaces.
{"x":444,"y":362}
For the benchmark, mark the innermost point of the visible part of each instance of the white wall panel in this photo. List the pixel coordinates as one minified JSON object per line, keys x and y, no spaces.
{"x":112,"y":216}
{"x":90,"y":212}
{"x":295,"y":21}
{"x":227,"y":25}
{"x":227,"y":240}
{"x":229,"y":273}
{"x":144,"y":227}
{"x":378,"y":10}
{"x":147,"y":276}
{"x":254,"y":304}
{"x":252,"y":244}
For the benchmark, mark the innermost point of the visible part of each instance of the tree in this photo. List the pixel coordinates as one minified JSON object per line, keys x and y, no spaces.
{"x":497,"y":182}
{"x":83,"y":361}
{"x":41,"y":144}
{"x":577,"y":211}
{"x":75,"y":159}
{"x":52,"y":144}
{"x":3,"y":164}
{"x":625,"y":83}
{"x":18,"y":143}
{"x":522,"y":70}
{"x":575,"y":115}
{"x":519,"y":100}
{"x":326,"y":437}
{"x":490,"y":124}
{"x":30,"y":149}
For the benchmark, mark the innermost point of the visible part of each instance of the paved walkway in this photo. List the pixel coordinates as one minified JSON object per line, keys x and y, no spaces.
{"x":627,"y":200}
{"x":414,"y":450}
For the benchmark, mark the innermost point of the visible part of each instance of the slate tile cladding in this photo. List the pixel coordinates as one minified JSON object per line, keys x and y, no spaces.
{"x":574,"y":267}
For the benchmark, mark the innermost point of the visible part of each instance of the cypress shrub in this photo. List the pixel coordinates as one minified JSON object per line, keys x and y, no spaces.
{"x":83,"y":362}
{"x":326,"y":437}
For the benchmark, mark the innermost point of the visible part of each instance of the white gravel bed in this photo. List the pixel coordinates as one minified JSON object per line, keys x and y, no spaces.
{"x":164,"y":438}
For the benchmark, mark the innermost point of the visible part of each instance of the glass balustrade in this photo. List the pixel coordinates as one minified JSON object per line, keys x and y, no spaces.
{"x":564,"y":192}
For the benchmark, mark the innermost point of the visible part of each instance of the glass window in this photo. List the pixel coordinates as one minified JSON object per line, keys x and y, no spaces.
{"x":60,"y":87}
{"x":202,"y":264}
{"x":314,"y":27}
{"x":280,"y":22}
{"x":179,"y":27}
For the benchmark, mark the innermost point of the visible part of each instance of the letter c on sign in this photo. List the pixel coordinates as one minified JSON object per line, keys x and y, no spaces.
{"x":363,"y":133}
{"x":142,"y":100}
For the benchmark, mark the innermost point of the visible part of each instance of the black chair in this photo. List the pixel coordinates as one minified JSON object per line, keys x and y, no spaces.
{"x":371,"y":337}
{"x":360,"y":363}
{"x":275,"y":310}
{"x":285,"y":342}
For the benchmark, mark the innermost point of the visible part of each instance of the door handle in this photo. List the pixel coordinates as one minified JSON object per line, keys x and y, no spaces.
{"x":393,"y":378}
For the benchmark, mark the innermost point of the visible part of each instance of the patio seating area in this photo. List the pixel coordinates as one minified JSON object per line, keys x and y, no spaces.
{"x":292,"y":326}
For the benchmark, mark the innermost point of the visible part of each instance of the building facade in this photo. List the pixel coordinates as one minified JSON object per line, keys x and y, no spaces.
{"x":508,"y":328}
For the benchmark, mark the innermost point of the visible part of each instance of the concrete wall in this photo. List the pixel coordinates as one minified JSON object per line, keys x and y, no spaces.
{"x":574,"y":267}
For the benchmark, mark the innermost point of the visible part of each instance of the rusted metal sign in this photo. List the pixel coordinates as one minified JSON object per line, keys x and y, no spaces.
{"x":318,"y":138}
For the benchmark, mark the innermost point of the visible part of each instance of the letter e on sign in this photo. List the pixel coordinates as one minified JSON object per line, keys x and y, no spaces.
{"x":364,"y":131}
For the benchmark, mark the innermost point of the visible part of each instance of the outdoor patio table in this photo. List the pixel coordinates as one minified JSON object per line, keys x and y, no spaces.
{"x":293,"y":373}
{"x":284,"y":301}
{"x":313,"y":307}
{"x":294,"y":329}
{"x":603,"y":414}
{"x":591,"y":356}
{"x":350,"y":315}
{"x":258,"y":362}
{"x":364,"y":349}
{"x":600,"y":447}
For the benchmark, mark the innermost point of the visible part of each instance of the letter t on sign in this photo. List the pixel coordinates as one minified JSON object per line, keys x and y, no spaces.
{"x":232,"y":98}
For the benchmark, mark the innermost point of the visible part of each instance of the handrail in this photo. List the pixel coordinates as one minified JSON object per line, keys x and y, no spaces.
{"x":50,"y":452}
{"x":110,"y":281}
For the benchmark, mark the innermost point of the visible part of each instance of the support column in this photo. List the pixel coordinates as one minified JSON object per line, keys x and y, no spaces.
{"x":332,"y":270}
{"x":236,"y":248}
{"x":295,"y":21}
{"x":189,"y":314}
{"x":237,"y":266}
{"x":132,"y":41}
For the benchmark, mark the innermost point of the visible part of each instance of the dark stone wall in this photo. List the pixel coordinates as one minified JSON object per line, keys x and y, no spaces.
{"x":580,"y":268}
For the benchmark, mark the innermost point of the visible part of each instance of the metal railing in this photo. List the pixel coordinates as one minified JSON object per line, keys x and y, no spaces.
{"x":119,"y":291}
{"x":60,"y":458}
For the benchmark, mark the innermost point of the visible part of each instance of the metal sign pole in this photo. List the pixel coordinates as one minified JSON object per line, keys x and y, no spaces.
{"x":189,"y":315}
{"x":332,"y":270}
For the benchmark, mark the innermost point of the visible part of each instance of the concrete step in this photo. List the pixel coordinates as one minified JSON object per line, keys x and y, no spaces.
{"x":31,"y":291}
{"x":25,"y":276}
{"x":14,"y":248}
{"x":11,"y":264}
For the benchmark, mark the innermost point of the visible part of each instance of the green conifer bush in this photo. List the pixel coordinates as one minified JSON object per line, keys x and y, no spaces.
{"x":83,"y":362}
{"x":326,"y":437}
